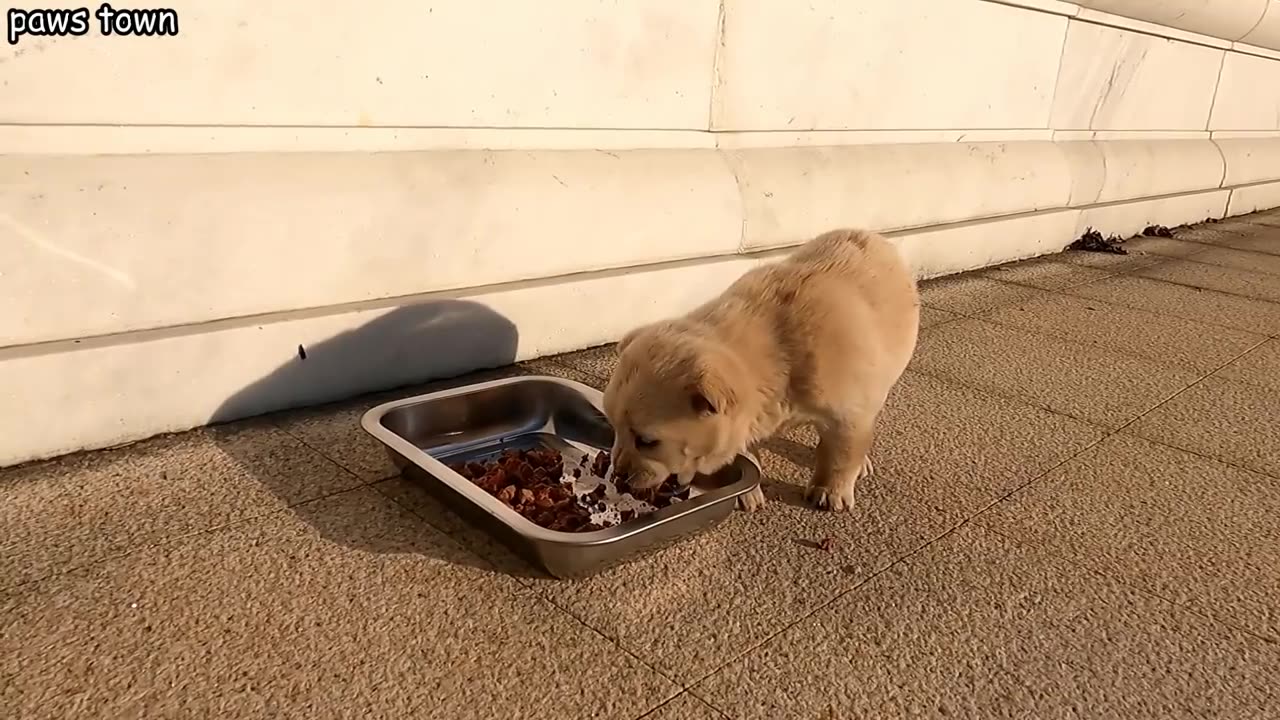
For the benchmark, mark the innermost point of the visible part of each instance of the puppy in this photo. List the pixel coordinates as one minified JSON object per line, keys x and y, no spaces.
{"x":820,"y":337}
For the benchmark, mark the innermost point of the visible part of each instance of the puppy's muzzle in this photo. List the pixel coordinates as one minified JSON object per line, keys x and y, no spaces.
{"x":633,"y":472}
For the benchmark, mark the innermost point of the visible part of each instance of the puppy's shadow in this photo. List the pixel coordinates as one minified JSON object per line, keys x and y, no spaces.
{"x":797,"y":454}
{"x":421,"y":347}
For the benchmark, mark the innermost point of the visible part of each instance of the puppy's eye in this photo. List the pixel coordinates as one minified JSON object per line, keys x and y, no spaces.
{"x":645,"y":443}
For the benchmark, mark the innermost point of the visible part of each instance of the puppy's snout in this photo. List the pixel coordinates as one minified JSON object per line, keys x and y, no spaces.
{"x":618,"y":454}
{"x":621,"y":461}
{"x":621,"y":466}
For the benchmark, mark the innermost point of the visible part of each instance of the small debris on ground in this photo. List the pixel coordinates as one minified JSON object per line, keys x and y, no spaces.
{"x":1157,"y":231}
{"x":1092,"y":241}
{"x":302,"y":353}
{"x":827,"y":543}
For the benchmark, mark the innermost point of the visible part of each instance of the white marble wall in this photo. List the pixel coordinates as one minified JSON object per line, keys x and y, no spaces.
{"x":1112,"y":79}
{"x":394,"y":63}
{"x":839,"y":65}
{"x":1248,"y":96}
{"x":178,"y":214}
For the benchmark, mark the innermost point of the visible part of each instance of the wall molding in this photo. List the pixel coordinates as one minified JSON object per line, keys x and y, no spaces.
{"x":1252,"y":24}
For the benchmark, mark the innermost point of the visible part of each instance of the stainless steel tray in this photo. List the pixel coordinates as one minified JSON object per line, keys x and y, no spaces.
{"x":476,"y":422}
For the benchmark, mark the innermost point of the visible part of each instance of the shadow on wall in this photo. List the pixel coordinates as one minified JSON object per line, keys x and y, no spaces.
{"x":401,"y":348}
{"x":411,"y":344}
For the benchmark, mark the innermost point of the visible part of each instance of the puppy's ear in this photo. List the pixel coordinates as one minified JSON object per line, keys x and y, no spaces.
{"x":701,"y":403}
{"x":712,"y":393}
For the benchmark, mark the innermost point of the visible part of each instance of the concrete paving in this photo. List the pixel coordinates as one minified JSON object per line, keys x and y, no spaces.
{"x":1076,"y":515}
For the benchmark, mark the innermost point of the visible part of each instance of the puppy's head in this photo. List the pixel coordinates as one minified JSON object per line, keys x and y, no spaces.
{"x":674,"y":405}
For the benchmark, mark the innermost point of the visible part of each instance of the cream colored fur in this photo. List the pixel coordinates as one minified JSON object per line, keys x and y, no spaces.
{"x":820,"y":337}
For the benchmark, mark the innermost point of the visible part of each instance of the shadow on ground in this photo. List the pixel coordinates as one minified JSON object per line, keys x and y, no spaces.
{"x":403,"y":348}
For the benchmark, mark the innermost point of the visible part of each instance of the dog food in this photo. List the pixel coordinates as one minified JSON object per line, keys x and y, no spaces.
{"x":600,"y":465}
{"x":536,"y":484}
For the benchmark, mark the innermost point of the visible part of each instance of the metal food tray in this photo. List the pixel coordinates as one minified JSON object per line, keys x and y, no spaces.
{"x":478,"y":422}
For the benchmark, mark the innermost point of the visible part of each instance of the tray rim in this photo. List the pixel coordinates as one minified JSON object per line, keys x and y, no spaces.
{"x":371,"y":423}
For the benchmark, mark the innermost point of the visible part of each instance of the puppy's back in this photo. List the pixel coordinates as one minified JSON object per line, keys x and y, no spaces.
{"x":845,"y":299}
{"x":855,"y":252}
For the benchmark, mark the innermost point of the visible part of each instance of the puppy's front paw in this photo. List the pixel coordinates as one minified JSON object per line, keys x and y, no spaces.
{"x":752,"y":500}
{"x":835,"y":499}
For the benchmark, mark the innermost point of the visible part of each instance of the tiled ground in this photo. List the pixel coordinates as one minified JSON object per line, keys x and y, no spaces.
{"x":1077,"y":515}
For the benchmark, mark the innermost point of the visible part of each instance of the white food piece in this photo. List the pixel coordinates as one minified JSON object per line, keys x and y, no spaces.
{"x":615,"y":503}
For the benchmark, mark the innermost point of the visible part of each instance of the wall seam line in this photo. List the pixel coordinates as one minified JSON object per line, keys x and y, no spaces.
{"x":1223,"y":182}
{"x":716,"y":53}
{"x":1057,"y":76}
{"x":1213,"y":101}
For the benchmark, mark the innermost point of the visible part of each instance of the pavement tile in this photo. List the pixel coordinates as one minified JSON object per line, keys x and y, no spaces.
{"x":1112,"y":262}
{"x":1178,"y":525}
{"x":1046,"y":273}
{"x":690,"y":607}
{"x":336,"y":432}
{"x":685,"y":707}
{"x":1163,"y":247}
{"x":598,"y":361}
{"x":414,"y":496}
{"x":1259,"y":285}
{"x":686,"y":607}
{"x":1233,"y":422}
{"x":553,"y":368}
{"x":1221,"y":233}
{"x":1260,"y":366}
{"x":1160,"y":338}
{"x":963,"y":449}
{"x":932,"y":317}
{"x":971,"y":293}
{"x":1255,"y":237}
{"x":348,"y":606}
{"x":84,"y":508}
{"x":1190,"y":303}
{"x":1241,"y":260}
{"x":1142,"y":657}
{"x":1223,"y":564}
{"x":977,"y":625}
{"x":1089,"y":383}
{"x":1100,"y":502}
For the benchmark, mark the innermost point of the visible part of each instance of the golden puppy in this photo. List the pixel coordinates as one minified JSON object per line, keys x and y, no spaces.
{"x":820,"y":337}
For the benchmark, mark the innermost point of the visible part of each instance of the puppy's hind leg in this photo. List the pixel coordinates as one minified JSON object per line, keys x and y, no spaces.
{"x":843,"y":459}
